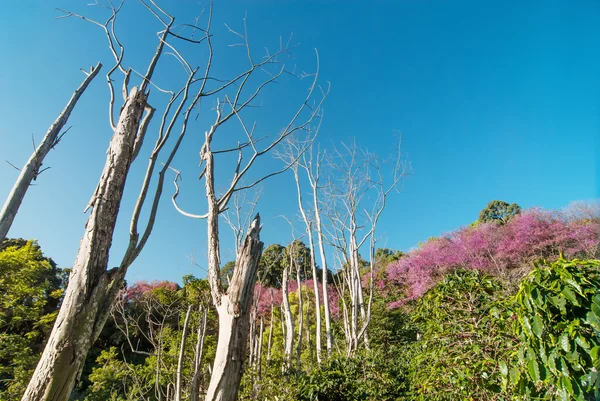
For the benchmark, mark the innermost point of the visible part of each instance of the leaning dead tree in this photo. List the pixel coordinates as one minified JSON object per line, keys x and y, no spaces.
{"x":33,"y":167}
{"x":92,"y":287}
{"x":233,"y":305}
{"x":358,"y":194}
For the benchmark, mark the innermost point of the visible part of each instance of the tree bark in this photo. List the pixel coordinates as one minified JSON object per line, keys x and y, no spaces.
{"x":233,"y":309}
{"x":259,"y":353}
{"x":181,"y":353}
{"x":91,"y":288}
{"x":32,"y":168}
{"x":195,"y":390}
{"x":287,"y":317}
{"x":270,"y":332}
{"x":327,"y":314}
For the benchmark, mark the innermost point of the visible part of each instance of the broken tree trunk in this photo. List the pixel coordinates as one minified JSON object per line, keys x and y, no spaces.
{"x":32,"y":168}
{"x":233,"y":309}
{"x":92,"y":287}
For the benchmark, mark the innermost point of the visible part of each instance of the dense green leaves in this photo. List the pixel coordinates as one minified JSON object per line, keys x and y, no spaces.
{"x":464,"y":336}
{"x":562,"y":343}
{"x":498,"y":212}
{"x":31,"y":289}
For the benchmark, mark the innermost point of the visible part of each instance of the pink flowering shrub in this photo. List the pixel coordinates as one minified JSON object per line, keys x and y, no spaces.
{"x":140,"y":288}
{"x":265,"y":296}
{"x":493,"y":248}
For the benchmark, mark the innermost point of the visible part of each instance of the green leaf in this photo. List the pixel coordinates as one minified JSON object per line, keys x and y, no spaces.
{"x":594,"y":353}
{"x":503,"y":368}
{"x":574,"y":284}
{"x":560,"y":303}
{"x":537,"y":326}
{"x":527,"y":326}
{"x":583,"y":343}
{"x":515,"y":375}
{"x":593,"y":320}
{"x":534,"y":369}
{"x":564,"y":342}
{"x":566,"y":384}
{"x":570,"y":295}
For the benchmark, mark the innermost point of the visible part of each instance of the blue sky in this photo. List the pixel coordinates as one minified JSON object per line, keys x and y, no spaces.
{"x":494,"y":100}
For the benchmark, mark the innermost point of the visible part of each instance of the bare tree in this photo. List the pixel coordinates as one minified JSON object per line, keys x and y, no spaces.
{"x":92,"y":288}
{"x":233,"y":305}
{"x":359,"y":195}
{"x":302,"y":152}
{"x":33,"y":167}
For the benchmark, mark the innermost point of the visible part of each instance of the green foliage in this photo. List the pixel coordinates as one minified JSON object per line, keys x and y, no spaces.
{"x":31,"y":289}
{"x":498,"y":212}
{"x":369,"y":375}
{"x":558,"y":322}
{"x":271,"y":265}
{"x":463,"y":335}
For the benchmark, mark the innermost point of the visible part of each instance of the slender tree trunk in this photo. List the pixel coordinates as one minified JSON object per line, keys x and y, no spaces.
{"x":181,"y":353}
{"x":259,"y":353}
{"x":252,"y":341}
{"x":313,"y":265}
{"x":234,"y":313}
{"x":270,"y":334}
{"x":195,"y":390}
{"x":32,"y":168}
{"x":300,"y":318}
{"x":326,"y":311}
{"x":91,"y":288}
{"x":289,"y":323}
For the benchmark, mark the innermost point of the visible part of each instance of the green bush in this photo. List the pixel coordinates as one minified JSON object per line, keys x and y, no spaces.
{"x":371,"y":375}
{"x":558,"y":322}
{"x":463,"y":335}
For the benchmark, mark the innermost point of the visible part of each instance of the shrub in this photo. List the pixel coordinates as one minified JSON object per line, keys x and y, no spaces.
{"x":464,"y":334}
{"x":558,"y":322}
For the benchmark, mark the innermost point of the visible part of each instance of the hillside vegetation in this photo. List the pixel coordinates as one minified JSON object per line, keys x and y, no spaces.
{"x":503,"y":309}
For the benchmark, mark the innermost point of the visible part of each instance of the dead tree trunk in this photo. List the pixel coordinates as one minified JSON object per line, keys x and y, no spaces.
{"x":259,"y":353}
{"x":181,"y":353}
{"x":313,"y":264}
{"x":270,"y":331}
{"x":88,"y":296}
{"x":234,"y":315}
{"x":32,"y":168}
{"x":287,"y":317}
{"x":195,"y":390}
{"x":300,"y":316}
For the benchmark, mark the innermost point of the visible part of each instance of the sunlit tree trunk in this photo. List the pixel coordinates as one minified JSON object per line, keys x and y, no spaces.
{"x":195,"y":390}
{"x":287,"y":317}
{"x":270,"y":342}
{"x":181,"y":354}
{"x":300,"y":316}
{"x":91,"y":288}
{"x":233,"y":309}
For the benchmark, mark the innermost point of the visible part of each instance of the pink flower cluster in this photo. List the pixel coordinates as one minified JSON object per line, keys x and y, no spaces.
{"x":265,"y":296}
{"x":492,"y":248}
{"x":141,"y":288}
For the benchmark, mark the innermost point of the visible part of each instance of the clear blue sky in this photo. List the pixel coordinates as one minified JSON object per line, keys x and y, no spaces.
{"x":495,"y":100}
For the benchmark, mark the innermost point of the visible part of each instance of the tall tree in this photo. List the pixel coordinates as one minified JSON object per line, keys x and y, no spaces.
{"x":498,"y":211}
{"x":233,"y":305}
{"x":92,"y":287}
{"x":359,"y":196}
